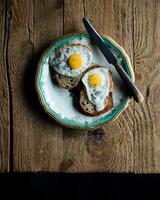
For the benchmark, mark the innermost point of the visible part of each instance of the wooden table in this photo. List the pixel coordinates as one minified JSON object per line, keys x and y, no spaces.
{"x":30,"y":141}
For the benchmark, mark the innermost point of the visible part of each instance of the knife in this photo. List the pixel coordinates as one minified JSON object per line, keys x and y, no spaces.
{"x":132,"y":89}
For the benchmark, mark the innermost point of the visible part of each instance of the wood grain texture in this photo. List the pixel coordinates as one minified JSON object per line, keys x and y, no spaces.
{"x":147,"y":66}
{"x":48,"y":25}
{"x":37,"y":140}
{"x":112,"y":148}
{"x":4,"y":93}
{"x":73,"y":140}
{"x":131,"y":143}
{"x":20,"y":51}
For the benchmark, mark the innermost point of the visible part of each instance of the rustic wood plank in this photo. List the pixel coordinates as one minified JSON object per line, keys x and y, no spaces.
{"x":73,"y":14}
{"x":111,"y":149}
{"x":37,"y":143}
{"x":4,"y":92}
{"x":73,"y":140}
{"x":20,"y":51}
{"x":49,"y":136}
{"x":147,"y":66}
{"x":131,"y":143}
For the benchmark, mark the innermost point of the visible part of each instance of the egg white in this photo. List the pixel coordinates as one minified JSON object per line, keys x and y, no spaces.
{"x":59,"y":59}
{"x":97,"y":95}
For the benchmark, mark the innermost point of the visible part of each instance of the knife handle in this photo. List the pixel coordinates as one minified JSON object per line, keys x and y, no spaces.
{"x":131,"y":87}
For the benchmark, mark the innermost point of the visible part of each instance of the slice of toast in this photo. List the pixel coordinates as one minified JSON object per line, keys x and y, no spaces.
{"x":67,"y":82}
{"x":88,"y":108}
{"x":71,"y":82}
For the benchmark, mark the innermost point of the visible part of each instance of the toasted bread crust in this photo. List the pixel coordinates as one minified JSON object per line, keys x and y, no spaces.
{"x":88,"y":108}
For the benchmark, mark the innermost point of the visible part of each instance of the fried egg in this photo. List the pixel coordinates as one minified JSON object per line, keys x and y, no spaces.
{"x":71,"y":60}
{"x":97,"y":85}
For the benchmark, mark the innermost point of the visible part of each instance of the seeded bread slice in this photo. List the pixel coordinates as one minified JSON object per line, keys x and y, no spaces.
{"x":67,"y":82}
{"x":71,"y":82}
{"x":88,"y":108}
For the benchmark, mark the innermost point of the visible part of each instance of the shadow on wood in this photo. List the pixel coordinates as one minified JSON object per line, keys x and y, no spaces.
{"x":72,"y":133}
{"x":29,"y":90}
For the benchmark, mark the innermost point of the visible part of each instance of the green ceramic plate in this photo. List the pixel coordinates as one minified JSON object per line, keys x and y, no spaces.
{"x":58,"y":102}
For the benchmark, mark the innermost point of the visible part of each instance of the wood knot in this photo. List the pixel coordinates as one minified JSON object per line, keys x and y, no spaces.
{"x":65,"y":165}
{"x":96,"y":143}
{"x":97,"y":134}
{"x":96,"y":140}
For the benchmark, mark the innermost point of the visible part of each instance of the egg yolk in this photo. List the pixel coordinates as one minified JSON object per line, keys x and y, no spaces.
{"x":95,"y":80}
{"x":75,"y":61}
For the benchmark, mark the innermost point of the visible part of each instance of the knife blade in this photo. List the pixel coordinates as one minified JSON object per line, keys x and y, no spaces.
{"x":132,"y":89}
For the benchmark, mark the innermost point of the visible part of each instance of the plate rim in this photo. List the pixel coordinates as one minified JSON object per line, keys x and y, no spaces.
{"x":43,"y":104}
